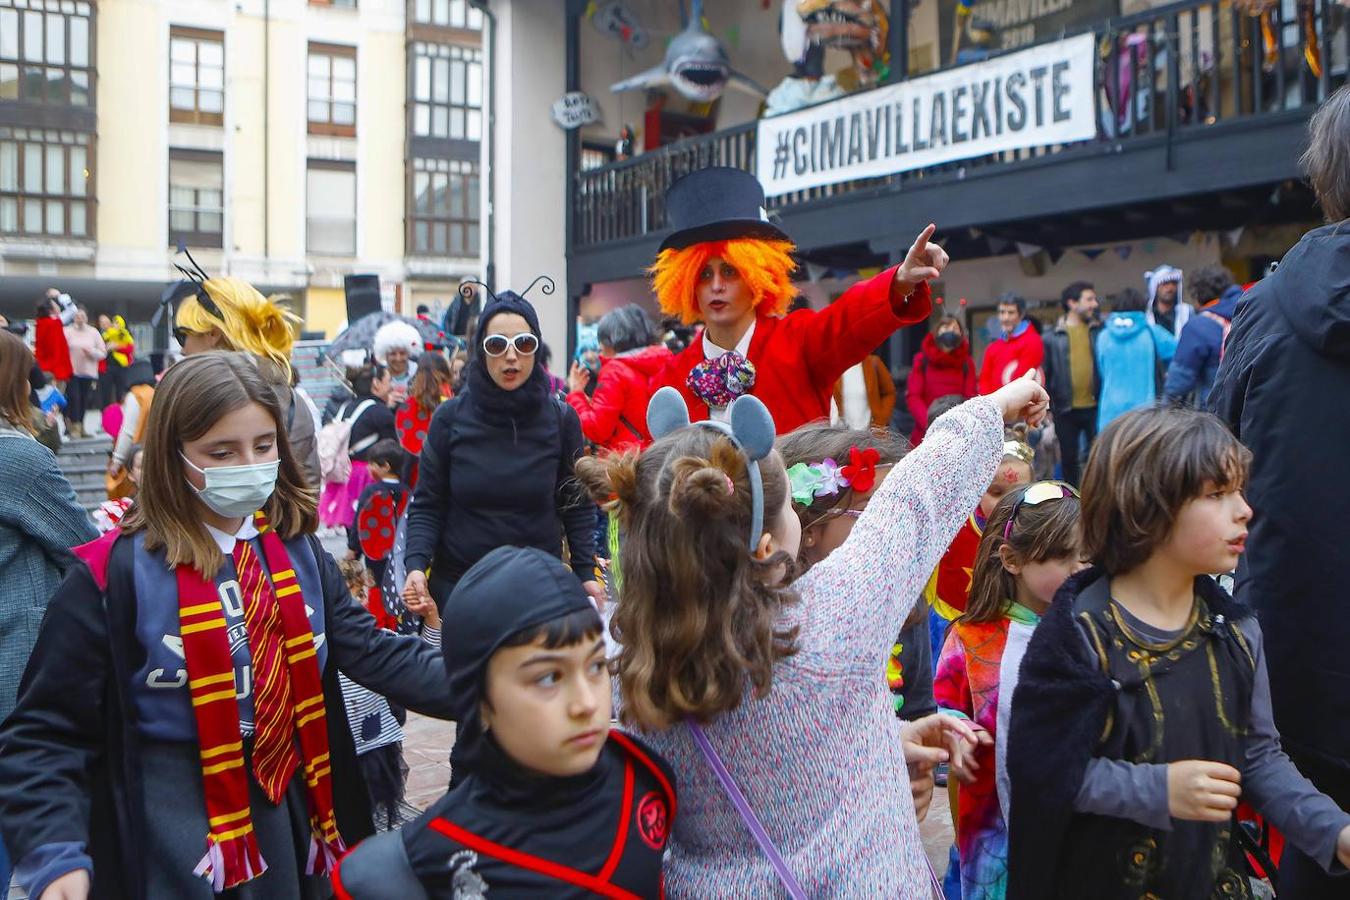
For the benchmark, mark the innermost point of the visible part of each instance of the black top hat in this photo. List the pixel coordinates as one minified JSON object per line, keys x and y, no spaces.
{"x":716,"y":204}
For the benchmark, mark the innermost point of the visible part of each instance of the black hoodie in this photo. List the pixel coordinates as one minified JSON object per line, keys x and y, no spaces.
{"x":1284,"y":388}
{"x":503,"y":830}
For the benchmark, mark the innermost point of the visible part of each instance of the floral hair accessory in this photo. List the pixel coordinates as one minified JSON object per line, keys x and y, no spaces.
{"x":731,"y":485}
{"x":861,"y":470}
{"x":827,"y":479}
{"x":717,"y":382}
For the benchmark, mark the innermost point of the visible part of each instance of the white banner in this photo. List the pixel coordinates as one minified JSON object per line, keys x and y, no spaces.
{"x":1033,"y":98}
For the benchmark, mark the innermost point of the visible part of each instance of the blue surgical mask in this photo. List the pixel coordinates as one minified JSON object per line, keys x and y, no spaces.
{"x":235,"y":491}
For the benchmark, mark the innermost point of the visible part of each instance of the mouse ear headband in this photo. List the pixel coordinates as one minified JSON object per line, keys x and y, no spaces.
{"x":750,"y":429}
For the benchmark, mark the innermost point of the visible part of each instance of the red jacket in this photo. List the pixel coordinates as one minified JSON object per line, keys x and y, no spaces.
{"x":799,"y":357}
{"x":937,"y":373}
{"x":50,"y":348}
{"x":1009,"y":358}
{"x":615,"y":416}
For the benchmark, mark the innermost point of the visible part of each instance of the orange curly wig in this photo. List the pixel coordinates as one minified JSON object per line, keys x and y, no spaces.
{"x":765,"y":266}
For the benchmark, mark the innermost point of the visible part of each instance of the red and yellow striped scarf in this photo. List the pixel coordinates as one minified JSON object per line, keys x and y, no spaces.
{"x":232,"y":855}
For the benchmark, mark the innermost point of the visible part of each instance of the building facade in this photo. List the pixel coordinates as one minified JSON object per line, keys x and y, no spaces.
{"x":285,"y":142}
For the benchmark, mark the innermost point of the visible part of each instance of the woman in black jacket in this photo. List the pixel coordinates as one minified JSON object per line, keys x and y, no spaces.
{"x":496,"y":468}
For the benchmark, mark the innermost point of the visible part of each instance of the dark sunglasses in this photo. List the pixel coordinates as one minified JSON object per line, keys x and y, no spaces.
{"x":1036,"y":494}
{"x":496,"y":344}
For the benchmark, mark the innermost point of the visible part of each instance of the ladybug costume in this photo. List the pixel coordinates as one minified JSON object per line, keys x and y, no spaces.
{"x":377,"y":515}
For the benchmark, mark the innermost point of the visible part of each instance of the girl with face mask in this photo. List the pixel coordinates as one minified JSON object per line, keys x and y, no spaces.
{"x":942,"y":366}
{"x":180,"y":730}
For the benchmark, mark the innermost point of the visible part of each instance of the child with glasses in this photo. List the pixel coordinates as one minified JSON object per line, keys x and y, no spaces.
{"x":1030,"y":546}
{"x":1142,"y":714}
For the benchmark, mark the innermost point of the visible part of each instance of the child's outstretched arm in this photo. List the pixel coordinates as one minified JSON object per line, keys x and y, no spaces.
{"x":854,"y":598}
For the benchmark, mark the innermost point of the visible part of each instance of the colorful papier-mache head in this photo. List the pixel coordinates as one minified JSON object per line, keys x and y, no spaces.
{"x":719,"y":211}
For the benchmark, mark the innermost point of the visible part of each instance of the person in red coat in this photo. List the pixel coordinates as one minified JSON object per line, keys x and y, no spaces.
{"x":941,"y":367}
{"x":50,"y":347}
{"x":726,"y":266}
{"x":614,"y":417}
{"x":1015,"y":351}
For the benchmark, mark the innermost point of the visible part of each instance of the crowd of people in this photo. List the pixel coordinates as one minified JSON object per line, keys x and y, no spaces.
{"x":705,"y":624}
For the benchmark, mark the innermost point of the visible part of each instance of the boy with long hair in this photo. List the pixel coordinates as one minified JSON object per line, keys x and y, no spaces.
{"x":1142,"y":714}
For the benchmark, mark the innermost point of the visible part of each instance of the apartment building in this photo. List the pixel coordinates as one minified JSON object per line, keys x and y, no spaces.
{"x":286,"y":142}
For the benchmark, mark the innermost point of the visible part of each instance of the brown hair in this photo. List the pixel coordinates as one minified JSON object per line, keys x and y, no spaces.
{"x":16,"y":361}
{"x":1327,"y":159}
{"x":1048,"y":530}
{"x":818,"y":441}
{"x":952,"y":320}
{"x":697,"y":614}
{"x":1143,"y":468}
{"x":426,"y":384}
{"x":192,"y":397}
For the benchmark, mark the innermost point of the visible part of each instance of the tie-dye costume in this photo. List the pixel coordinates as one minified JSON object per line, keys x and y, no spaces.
{"x":949,"y":588}
{"x":979,"y":661}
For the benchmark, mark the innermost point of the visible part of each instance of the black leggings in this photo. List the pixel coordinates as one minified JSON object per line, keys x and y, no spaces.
{"x":79,"y":394}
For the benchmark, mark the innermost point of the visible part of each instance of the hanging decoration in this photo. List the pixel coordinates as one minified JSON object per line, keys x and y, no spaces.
{"x":997,"y":245}
{"x":1092,"y":252}
{"x":1055,"y":254}
{"x":1234,"y":235}
{"x":614,"y":19}
{"x":574,"y":109}
{"x":1027,"y":250}
{"x":1123,"y":250}
{"x":696,"y":65}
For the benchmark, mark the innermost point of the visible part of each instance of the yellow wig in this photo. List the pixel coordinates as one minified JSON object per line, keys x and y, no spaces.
{"x":252,"y":323}
{"x":765,"y":267}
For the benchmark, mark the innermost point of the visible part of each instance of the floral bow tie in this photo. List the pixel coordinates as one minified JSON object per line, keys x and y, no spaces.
{"x":719,"y":381}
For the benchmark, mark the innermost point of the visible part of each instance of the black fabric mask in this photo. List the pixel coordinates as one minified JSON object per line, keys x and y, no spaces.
{"x":948,"y":340}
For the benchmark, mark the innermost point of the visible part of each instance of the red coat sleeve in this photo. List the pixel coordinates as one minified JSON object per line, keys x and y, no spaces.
{"x":842,"y":334}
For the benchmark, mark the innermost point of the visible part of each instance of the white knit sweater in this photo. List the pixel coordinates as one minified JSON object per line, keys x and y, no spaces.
{"x":819,"y":758}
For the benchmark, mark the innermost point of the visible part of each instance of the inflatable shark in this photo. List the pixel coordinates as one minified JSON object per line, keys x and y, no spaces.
{"x":696,"y":65}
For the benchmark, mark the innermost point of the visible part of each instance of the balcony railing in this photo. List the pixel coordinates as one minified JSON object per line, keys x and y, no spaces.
{"x":1160,"y":75}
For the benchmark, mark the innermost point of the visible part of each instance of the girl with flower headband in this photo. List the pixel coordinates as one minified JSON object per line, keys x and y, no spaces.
{"x":728,"y":267}
{"x":1030,"y":546}
{"x":724,"y":655}
{"x":180,"y":729}
{"x":828,"y":499}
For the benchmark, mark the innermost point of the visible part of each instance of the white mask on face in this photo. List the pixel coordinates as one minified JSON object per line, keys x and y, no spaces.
{"x":234,"y":491}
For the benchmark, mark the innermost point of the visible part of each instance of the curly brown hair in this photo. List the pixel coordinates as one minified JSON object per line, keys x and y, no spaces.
{"x":698,"y":615}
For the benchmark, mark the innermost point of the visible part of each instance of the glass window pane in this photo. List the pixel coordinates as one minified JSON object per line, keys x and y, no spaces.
{"x":56,"y":85}
{"x":318,"y":110}
{"x":441,"y":12}
{"x":456,"y":123}
{"x":440,"y":122}
{"x":183,"y":50}
{"x":210,"y":222}
{"x":78,"y":175}
{"x":457,"y":13}
{"x":471,"y":248}
{"x":183,"y":74}
{"x":474,"y":131}
{"x":79,"y":88}
{"x":318,"y":65}
{"x":456,"y":239}
{"x":211,"y":101}
{"x":181,"y":219}
{"x":78,"y":227}
{"x":344,"y":90}
{"x":211,"y":77}
{"x":344,"y":114}
{"x":420,"y":232}
{"x":9,"y":82}
{"x":32,"y":216}
{"x":344,"y":68}
{"x":457,"y":82}
{"x":32,"y":168}
{"x":56,"y":217}
{"x":9,"y":215}
{"x":473,"y":79}
{"x":422,"y":11}
{"x":9,"y":34}
{"x":318,"y":88}
{"x":209,"y":199}
{"x":56,"y":39}
{"x":9,"y":166}
{"x":471,"y":194}
{"x":440,"y":81}
{"x":211,"y":53}
{"x":421,"y":191}
{"x":438,"y":237}
{"x":180,"y":197}
{"x":422,"y":79}
{"x":183,"y":98}
{"x":421,"y":120}
{"x":456,"y":210}
{"x":475,"y":18}
{"x":56,"y":164}
{"x":32,"y":36}
{"x":79,"y":49}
